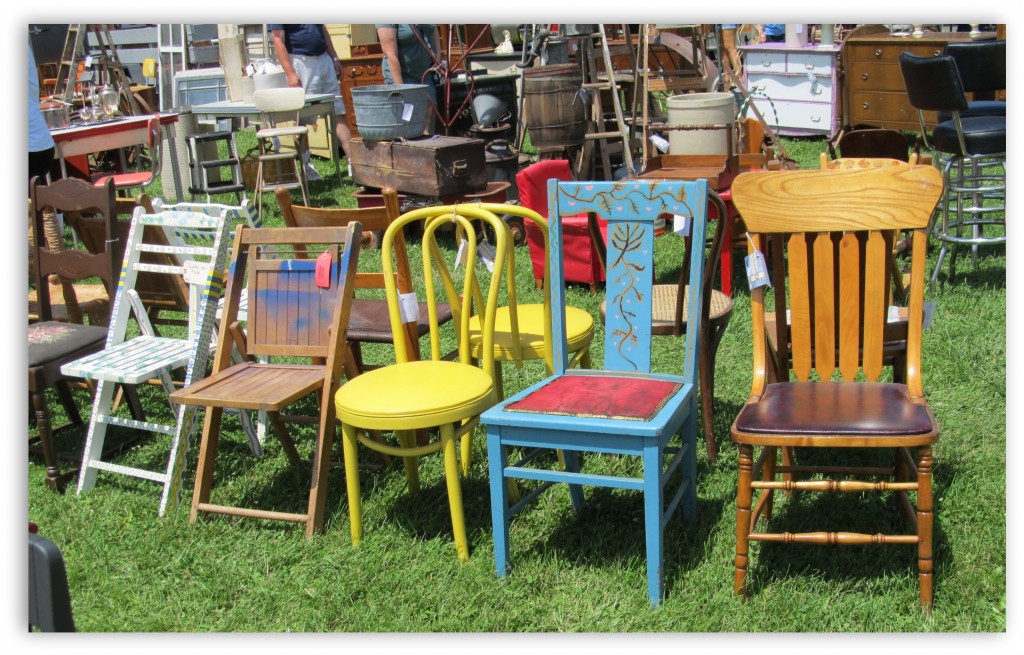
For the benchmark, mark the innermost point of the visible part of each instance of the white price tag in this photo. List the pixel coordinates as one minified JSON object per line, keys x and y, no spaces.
{"x":196,"y":272}
{"x":462,"y":255}
{"x":485,"y":252}
{"x":407,"y":112}
{"x":659,"y":142}
{"x":681,"y":225}
{"x":757,"y":270}
{"x":408,"y":307}
{"x":893,"y":315}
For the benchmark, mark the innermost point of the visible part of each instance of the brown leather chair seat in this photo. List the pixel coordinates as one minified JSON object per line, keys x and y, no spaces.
{"x":827,"y":410}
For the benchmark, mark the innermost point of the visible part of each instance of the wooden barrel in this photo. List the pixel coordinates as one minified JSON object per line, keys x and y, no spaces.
{"x":556,"y":111}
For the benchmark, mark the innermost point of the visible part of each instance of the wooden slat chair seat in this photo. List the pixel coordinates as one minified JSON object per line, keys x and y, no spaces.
{"x":136,"y":360}
{"x":834,"y":230}
{"x":293,"y":312}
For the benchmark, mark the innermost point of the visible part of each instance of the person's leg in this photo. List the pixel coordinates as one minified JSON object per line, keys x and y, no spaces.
{"x":324,"y":79}
{"x":39,"y":162}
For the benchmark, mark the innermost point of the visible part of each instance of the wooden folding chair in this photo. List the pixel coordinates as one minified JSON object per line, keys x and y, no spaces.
{"x":297,"y":308}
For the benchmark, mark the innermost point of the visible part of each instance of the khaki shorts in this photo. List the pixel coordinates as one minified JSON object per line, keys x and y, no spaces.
{"x":318,"y":76}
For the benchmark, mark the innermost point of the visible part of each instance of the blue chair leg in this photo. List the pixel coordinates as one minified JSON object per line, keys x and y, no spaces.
{"x":653,"y":504}
{"x":572,"y":464}
{"x":497,"y":457}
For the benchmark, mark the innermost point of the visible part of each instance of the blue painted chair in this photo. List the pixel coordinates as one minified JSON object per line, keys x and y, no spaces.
{"x":623,"y":409}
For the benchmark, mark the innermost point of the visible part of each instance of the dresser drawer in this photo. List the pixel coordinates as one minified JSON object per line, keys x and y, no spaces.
{"x":867,"y":107}
{"x":875,"y":77}
{"x":800,"y":117}
{"x":791,"y":87}
{"x":768,"y":62}
{"x":819,"y":64}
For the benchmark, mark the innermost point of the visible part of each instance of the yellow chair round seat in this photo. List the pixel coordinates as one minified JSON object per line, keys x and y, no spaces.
{"x":579,"y":328}
{"x":414,"y":395}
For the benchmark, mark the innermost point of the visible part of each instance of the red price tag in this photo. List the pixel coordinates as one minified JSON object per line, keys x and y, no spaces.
{"x":322,"y":274}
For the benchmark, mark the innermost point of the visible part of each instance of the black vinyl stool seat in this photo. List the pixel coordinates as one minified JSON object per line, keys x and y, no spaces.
{"x":974,"y":166}
{"x":982,"y":67}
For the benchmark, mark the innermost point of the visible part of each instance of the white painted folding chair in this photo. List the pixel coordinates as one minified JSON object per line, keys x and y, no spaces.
{"x":256,"y":433}
{"x":137,"y":360}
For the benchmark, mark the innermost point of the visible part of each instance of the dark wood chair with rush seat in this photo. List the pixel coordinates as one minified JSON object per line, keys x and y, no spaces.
{"x":297,"y":308}
{"x":51,"y":344}
{"x":369,"y":321}
{"x":838,"y":227}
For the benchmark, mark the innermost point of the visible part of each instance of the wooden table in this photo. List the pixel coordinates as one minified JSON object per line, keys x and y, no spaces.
{"x":81,"y":140}
{"x":321,"y":104}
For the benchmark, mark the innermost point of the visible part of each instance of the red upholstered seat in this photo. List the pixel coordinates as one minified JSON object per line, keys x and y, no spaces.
{"x":582,"y":262}
{"x":599,"y":396}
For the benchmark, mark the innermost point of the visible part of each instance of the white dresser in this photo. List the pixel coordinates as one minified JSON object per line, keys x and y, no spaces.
{"x":795,"y":89}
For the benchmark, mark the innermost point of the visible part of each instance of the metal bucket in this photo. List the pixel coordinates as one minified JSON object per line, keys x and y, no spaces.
{"x":556,"y":111}
{"x":56,"y":114}
{"x":390,"y":111}
{"x":488,"y":109}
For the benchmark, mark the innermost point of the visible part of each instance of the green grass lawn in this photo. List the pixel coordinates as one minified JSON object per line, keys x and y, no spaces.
{"x":129,"y":570}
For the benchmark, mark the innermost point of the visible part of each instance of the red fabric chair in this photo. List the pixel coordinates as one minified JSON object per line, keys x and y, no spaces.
{"x":582,"y":257}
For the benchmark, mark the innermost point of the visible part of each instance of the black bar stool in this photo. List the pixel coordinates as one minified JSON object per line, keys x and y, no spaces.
{"x":971,"y":199}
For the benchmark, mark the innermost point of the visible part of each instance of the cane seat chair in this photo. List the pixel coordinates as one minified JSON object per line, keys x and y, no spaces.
{"x":52,"y":343}
{"x":624,"y":409}
{"x":297,"y":308}
{"x":135,"y":360}
{"x":837,"y":228}
{"x":440,"y":392}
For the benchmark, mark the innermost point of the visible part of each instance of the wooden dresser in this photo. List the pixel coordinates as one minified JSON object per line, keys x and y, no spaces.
{"x":362,"y":68}
{"x":795,"y":89}
{"x":873,"y":89}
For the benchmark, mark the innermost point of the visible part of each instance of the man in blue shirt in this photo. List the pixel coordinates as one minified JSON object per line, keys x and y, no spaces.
{"x":774,"y":32}
{"x":309,"y":60}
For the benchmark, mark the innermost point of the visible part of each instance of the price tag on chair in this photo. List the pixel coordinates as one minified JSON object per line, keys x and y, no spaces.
{"x":757,"y":269}
{"x":681,"y":225}
{"x":322,"y":273}
{"x":196,"y":272}
{"x":409,"y":307}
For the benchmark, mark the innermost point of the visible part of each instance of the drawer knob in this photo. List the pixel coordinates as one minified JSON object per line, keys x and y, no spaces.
{"x":878,"y":53}
{"x":936,"y":53}
{"x":816,"y":119}
{"x":809,"y":67}
{"x":864,"y":76}
{"x":865,"y":105}
{"x":766,"y":64}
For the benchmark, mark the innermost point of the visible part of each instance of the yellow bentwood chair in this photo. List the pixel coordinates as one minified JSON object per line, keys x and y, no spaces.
{"x":434,"y":392}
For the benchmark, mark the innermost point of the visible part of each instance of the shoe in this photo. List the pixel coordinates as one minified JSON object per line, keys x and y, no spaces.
{"x":312,"y":175}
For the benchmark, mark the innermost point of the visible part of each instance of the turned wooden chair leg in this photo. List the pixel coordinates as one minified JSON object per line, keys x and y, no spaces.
{"x":925,"y":522}
{"x":743,"y":527}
